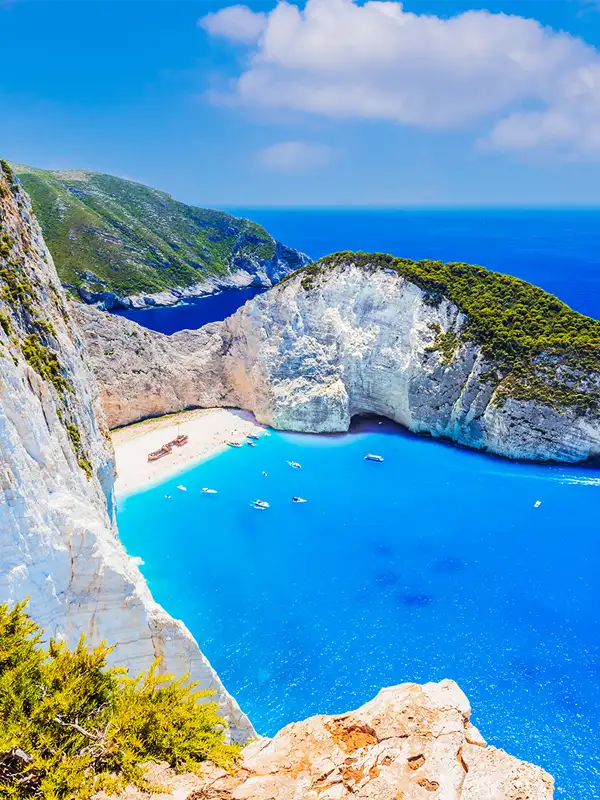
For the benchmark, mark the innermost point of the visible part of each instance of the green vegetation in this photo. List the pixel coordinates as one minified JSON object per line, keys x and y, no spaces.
{"x":70,"y":725}
{"x":10,"y":177}
{"x":539,"y":348}
{"x":446,"y":343}
{"x":31,"y":334}
{"x":82,"y":457}
{"x":115,"y":235}
{"x":45,"y":362}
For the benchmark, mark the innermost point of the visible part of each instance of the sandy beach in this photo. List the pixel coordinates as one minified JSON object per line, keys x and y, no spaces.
{"x":209,"y":430}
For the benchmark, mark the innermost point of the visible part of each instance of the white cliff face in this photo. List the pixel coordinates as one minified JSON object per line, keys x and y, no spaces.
{"x":310,"y":359}
{"x":58,"y":539}
{"x":365,"y":342}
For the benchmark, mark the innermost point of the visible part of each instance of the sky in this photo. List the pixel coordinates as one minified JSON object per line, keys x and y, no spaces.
{"x":319,"y":103}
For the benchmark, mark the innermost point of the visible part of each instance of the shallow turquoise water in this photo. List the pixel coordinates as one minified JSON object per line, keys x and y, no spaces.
{"x":433,"y":564}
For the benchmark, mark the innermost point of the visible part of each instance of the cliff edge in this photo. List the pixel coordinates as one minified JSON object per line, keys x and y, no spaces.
{"x":58,"y":538}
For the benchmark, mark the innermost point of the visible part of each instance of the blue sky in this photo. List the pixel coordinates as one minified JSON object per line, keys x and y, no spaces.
{"x":329,"y":103}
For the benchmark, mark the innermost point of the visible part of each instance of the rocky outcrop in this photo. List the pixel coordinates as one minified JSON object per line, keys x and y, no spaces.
{"x":410,"y":743}
{"x":309,"y":358}
{"x":246,"y":271}
{"x":58,"y":539}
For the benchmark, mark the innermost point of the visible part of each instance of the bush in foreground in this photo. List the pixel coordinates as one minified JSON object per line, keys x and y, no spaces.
{"x":70,"y":725}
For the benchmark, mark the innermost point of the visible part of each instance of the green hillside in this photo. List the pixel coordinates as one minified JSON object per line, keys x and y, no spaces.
{"x":135,"y":239}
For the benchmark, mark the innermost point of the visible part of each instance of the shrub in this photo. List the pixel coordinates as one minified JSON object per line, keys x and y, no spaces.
{"x":70,"y":725}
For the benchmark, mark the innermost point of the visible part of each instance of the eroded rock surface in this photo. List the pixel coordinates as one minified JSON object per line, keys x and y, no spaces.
{"x":310,"y":359}
{"x":58,"y":539}
{"x":412,"y":742}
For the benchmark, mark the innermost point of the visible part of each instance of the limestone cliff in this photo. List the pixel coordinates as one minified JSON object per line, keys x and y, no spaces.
{"x":354,"y":336}
{"x":58,"y":539}
{"x":409,"y":743}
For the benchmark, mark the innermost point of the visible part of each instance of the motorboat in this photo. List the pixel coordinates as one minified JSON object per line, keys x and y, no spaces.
{"x":182,"y":488}
{"x":206,"y":490}
{"x":537,"y":504}
{"x":261,"y":504}
{"x":251,"y":444}
{"x":373,"y":457}
{"x":253,"y":436}
{"x":298,"y":500}
{"x":295,"y":465}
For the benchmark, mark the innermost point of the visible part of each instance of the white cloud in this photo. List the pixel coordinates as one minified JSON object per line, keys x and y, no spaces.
{"x":528,"y":85}
{"x":238,"y":23}
{"x":294,"y":156}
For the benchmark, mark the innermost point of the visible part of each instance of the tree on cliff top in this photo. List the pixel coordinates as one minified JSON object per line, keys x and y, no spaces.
{"x":70,"y":725}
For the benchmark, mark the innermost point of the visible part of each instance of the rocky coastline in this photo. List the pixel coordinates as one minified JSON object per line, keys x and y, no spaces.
{"x":297,"y":361}
{"x":308,"y":358}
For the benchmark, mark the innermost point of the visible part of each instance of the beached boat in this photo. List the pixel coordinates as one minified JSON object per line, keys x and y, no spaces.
{"x":234,"y":444}
{"x":253,"y":436}
{"x":295,"y":465}
{"x":180,"y":440}
{"x":373,"y":457}
{"x":165,"y":450}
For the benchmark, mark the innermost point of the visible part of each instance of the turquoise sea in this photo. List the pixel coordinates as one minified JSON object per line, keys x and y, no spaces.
{"x":436,"y":563}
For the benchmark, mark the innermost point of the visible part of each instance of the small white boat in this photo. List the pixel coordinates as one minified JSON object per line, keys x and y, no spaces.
{"x":253,"y":436}
{"x":261,"y":504}
{"x":251,"y":444}
{"x":182,"y":488}
{"x":234,"y":444}
{"x":295,"y":465}
{"x":298,"y":500}
{"x":373,"y":457}
{"x":264,"y":474}
{"x":206,"y":490}
{"x":537,"y":504}
{"x":266,"y":433}
{"x":167,"y":497}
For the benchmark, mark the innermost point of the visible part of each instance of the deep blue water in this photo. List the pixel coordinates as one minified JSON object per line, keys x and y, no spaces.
{"x":555,"y":249}
{"x":193,"y":314}
{"x":433,"y":564}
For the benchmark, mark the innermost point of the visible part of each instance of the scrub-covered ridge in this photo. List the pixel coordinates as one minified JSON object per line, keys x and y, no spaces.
{"x":540,"y":349}
{"x":110,"y":235}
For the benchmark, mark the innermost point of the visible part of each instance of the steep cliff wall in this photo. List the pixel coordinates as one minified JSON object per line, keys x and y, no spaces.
{"x":58,"y":540}
{"x":355,"y":335}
